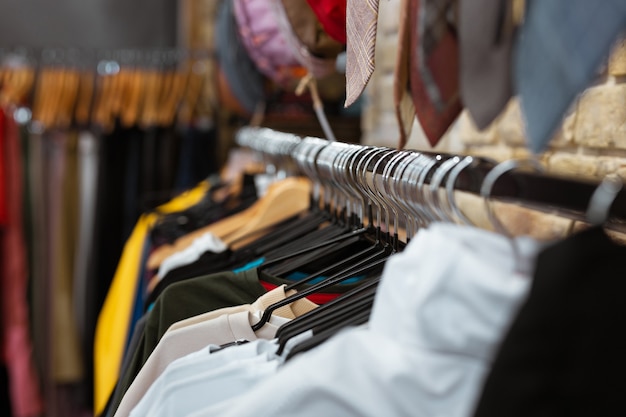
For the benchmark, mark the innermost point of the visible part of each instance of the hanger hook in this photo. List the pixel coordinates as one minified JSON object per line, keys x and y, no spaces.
{"x":492,"y":177}
{"x":353,"y":199}
{"x":435,"y":183}
{"x":338,"y":176}
{"x":361,"y":172}
{"x":429,"y":164}
{"x":389,"y":184}
{"x":352,"y":179}
{"x":305,"y":159}
{"x":400,"y":180}
{"x":450,"y":183}
{"x":485,"y":191}
{"x":411,"y":189}
{"x":602,"y":199}
{"x":389,"y":207}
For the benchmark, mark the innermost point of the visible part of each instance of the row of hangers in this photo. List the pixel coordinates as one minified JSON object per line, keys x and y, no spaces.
{"x":65,"y":87}
{"x":365,"y":198}
{"x":358,"y":205}
{"x":419,"y":187}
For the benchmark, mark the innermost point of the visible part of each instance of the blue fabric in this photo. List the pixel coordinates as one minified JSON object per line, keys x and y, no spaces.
{"x":296,"y":276}
{"x":197,"y":158}
{"x":250,"y":265}
{"x":140,"y":292}
{"x":557,"y":55}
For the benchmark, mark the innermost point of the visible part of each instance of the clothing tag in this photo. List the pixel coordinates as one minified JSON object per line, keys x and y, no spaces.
{"x":226,"y":345}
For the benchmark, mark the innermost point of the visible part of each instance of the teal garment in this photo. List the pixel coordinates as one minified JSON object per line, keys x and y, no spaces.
{"x":247,"y":267}
{"x":296,"y":276}
{"x":250,"y":265}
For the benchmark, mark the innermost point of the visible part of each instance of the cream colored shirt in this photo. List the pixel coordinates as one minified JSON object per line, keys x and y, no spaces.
{"x":218,"y":327}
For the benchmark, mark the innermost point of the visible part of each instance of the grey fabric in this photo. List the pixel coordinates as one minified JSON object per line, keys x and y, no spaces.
{"x":557,"y":54}
{"x":83,"y":293}
{"x":243,"y":78}
{"x":88,"y":177}
{"x":485,"y":42}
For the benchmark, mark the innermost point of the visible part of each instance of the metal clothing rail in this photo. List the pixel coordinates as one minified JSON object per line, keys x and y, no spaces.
{"x":564,"y":196}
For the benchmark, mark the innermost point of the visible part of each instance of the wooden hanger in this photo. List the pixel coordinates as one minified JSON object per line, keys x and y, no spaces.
{"x":61,"y":97}
{"x":110,"y":103}
{"x":191,"y":95}
{"x":84,"y":97}
{"x":39,"y":95}
{"x":98,"y":109}
{"x":117,"y":94}
{"x":167,"y":86}
{"x":7,"y":85}
{"x":153,"y":88}
{"x":26,"y":86}
{"x":283,"y":199}
{"x":69,"y":98}
{"x":133,"y":99}
{"x":277,"y":205}
{"x":48,"y":98}
{"x":175,"y":97}
{"x":3,"y":73}
{"x":15,"y":85}
{"x":57,"y":95}
{"x":45,"y":96}
{"x":207,"y":101}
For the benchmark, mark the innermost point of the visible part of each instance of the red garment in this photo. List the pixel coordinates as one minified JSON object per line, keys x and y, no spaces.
{"x":3,"y":196}
{"x":17,"y":346}
{"x":332,"y":16}
{"x":318,"y":298}
{"x":434,"y":67}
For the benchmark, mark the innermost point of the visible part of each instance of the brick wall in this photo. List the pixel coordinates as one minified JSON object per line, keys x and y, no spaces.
{"x":591,"y":142}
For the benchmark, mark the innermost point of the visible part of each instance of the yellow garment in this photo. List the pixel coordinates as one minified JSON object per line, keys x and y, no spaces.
{"x":113,"y":321}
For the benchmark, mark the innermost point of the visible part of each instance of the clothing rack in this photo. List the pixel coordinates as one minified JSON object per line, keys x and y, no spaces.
{"x":60,"y":87}
{"x":560,"y":195}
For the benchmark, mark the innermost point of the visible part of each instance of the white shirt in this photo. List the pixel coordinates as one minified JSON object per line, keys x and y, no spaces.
{"x":220,"y":407}
{"x":207,"y":242}
{"x":177,"y":344}
{"x":216,"y":327}
{"x":203,"y":377}
{"x":441,"y":309}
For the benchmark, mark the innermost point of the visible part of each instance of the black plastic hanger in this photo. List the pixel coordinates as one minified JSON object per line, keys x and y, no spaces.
{"x":335,"y":161}
{"x":323,"y":225}
{"x":363,"y":268}
{"x":283,"y":233}
{"x":332,"y":313}
{"x":386,"y":245}
{"x":321,"y":337}
{"x":324,"y":244}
